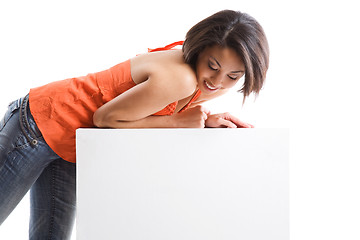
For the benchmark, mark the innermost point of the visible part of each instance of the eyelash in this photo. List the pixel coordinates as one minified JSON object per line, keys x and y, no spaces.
{"x":214,"y":69}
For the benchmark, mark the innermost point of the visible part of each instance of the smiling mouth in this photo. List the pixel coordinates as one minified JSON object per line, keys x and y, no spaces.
{"x":207,"y":85}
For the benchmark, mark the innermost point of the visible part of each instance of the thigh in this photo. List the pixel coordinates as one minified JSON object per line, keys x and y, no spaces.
{"x":9,"y":129}
{"x":53,"y":202}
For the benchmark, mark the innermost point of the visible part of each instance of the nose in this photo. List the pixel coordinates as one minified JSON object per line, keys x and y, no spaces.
{"x":217,"y":80}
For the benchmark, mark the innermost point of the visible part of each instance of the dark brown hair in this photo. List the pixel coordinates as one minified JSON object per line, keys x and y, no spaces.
{"x":238,"y":31}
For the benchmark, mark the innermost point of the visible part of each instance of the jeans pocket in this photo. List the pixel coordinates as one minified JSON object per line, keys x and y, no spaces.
{"x":13,"y":107}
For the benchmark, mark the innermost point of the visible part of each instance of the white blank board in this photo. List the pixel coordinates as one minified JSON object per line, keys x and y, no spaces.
{"x":182,"y":184}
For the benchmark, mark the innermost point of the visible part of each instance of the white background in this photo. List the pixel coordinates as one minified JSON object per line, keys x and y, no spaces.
{"x":311,"y":88}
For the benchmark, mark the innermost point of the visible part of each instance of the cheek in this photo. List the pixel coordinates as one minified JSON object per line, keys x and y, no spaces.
{"x":230,"y":83}
{"x":201,"y":73}
{"x":202,"y":70}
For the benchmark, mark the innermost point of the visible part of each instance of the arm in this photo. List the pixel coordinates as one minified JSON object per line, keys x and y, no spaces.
{"x":133,"y":107}
{"x":147,"y":122}
{"x":192,"y":118}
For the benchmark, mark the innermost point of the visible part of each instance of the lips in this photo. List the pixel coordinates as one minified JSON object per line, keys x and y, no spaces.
{"x":209,"y":87}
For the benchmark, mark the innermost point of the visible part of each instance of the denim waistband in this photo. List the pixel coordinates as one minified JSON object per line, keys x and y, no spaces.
{"x":24,"y":116}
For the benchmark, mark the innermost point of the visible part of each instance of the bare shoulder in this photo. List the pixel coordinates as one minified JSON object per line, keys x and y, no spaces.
{"x":166,"y":69}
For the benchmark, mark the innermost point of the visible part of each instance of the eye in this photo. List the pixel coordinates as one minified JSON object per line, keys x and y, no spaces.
{"x":212,"y":66}
{"x":233,"y":77}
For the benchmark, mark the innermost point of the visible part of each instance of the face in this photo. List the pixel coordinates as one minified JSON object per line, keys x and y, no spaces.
{"x":218,"y":69}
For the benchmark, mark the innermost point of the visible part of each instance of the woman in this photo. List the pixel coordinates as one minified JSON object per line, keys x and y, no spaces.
{"x":158,"y":89}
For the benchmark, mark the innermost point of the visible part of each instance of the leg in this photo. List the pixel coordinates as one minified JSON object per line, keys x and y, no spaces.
{"x":53,"y":202}
{"x":20,"y":162}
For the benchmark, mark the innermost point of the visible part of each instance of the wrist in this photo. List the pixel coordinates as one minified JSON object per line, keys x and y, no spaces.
{"x":171,"y":121}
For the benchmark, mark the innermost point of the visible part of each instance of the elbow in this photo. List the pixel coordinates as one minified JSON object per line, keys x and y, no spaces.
{"x":103,"y":119}
{"x":98,"y":119}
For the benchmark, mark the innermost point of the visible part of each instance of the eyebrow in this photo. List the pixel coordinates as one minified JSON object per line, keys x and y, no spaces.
{"x":239,"y":71}
{"x":215,"y":61}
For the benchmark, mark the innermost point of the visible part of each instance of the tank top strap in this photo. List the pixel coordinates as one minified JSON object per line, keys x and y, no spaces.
{"x":196,"y":96}
{"x":167,"y":47}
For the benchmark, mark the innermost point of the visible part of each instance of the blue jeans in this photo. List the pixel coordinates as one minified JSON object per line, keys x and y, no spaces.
{"x":27,"y":162}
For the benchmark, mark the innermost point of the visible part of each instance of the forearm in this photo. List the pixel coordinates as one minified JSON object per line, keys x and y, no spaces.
{"x":147,"y":122}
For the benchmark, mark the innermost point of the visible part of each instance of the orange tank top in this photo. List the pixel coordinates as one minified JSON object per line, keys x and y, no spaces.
{"x":61,"y":107}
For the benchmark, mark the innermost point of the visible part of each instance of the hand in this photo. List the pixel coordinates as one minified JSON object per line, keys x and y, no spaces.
{"x":225,"y":120}
{"x":191,"y":118}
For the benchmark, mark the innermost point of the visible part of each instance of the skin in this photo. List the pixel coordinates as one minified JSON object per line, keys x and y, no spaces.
{"x":218,"y":69}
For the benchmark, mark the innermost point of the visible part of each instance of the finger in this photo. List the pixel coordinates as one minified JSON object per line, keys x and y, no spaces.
{"x":226,"y":123}
{"x":238,"y":122}
{"x":204,"y":115}
{"x":205,"y":110}
{"x":243,"y":124}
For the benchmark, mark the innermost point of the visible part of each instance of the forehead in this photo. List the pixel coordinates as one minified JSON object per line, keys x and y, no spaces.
{"x":224,"y":55}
